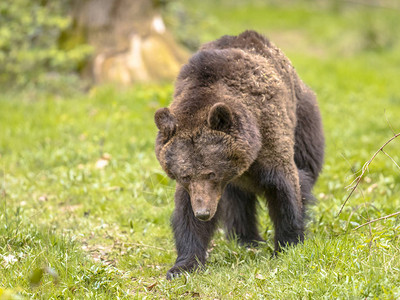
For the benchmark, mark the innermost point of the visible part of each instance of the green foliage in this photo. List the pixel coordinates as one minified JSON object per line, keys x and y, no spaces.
{"x":348,"y":28}
{"x":85,"y":206}
{"x":30,"y":54}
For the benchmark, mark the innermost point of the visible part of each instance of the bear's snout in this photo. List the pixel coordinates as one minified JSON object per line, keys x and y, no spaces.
{"x":200,"y":210}
{"x":204,"y":198}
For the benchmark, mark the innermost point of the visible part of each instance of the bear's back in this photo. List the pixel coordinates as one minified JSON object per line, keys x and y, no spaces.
{"x":254,"y":43}
{"x":249,"y":40}
{"x":246,"y":69}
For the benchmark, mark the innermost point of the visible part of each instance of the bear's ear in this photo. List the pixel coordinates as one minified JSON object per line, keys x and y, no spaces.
{"x":165,"y":122}
{"x":220,"y":117}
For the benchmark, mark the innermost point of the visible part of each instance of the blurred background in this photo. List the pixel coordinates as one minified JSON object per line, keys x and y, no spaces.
{"x":62,"y":45}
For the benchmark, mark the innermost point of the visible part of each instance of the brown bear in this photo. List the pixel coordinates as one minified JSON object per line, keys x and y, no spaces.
{"x":241,"y":124}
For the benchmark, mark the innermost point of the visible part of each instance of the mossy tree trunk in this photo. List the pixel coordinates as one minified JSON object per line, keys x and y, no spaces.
{"x":130,"y":41}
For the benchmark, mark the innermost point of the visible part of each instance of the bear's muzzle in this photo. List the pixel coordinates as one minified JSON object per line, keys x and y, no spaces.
{"x":204,"y":198}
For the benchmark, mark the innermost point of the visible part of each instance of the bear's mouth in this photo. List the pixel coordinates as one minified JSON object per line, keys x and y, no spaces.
{"x":203,"y":215}
{"x":206,"y":213}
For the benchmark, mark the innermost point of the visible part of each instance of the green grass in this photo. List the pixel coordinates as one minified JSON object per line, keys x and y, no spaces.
{"x":100,"y":233}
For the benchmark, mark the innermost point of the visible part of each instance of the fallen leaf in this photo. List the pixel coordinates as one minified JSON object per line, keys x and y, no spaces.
{"x":106,"y":156}
{"x":151,"y":286}
{"x":103,"y":161}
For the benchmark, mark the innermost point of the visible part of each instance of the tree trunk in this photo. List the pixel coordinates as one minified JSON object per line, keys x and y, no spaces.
{"x":130,"y":41}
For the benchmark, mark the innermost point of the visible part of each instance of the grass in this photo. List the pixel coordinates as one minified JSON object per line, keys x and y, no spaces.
{"x":85,"y":207}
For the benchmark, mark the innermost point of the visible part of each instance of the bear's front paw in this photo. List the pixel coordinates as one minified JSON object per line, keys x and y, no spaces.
{"x":174,"y":272}
{"x":178,"y":269}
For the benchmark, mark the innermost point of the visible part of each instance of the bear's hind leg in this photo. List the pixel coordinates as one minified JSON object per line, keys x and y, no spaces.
{"x":239,"y":209}
{"x":306,"y":186}
{"x":191,"y":235}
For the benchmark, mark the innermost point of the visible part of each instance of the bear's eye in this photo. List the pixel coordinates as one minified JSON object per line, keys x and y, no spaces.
{"x":211,"y":176}
{"x":185,"y":179}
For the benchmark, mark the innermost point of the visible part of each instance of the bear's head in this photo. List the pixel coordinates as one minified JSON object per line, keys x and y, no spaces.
{"x":204,"y":159}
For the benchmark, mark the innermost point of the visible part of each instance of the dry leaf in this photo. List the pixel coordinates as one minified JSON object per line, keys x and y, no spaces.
{"x":103,"y":161}
{"x":151,"y":286}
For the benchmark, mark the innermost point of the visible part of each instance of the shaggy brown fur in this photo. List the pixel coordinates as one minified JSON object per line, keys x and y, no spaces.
{"x":242,"y":123}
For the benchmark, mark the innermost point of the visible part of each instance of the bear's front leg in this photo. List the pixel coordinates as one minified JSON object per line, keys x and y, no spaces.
{"x":238,"y":207}
{"x":191,"y":235}
{"x":284,"y":205}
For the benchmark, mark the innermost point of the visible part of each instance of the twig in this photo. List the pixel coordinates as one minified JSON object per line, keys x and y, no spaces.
{"x":376,"y":220}
{"x":391,"y":158}
{"x":390,"y":124}
{"x":353,"y":186}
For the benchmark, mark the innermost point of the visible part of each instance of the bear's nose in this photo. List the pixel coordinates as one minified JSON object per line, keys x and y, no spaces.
{"x":202,"y":215}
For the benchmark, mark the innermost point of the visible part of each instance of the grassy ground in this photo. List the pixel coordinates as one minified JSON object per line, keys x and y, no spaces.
{"x":85,"y":207}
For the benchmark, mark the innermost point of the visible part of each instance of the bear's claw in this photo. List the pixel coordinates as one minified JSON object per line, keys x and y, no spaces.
{"x":173,"y":273}
{"x":177,"y":270}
